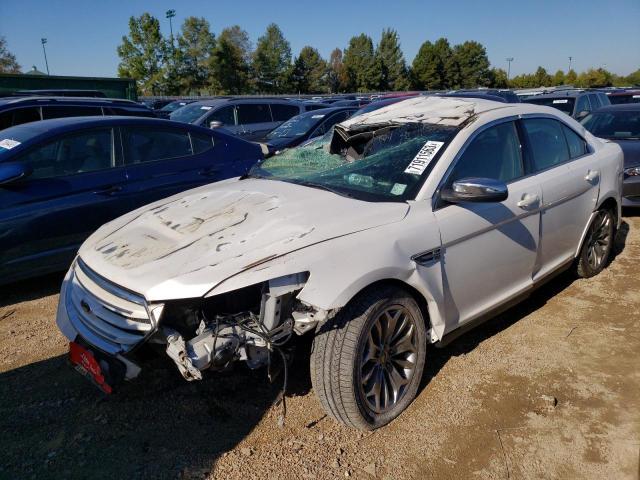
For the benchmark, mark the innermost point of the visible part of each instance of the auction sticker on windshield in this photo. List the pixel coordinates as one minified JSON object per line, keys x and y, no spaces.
{"x":9,"y":144}
{"x":424,"y":156}
{"x":561,"y":101}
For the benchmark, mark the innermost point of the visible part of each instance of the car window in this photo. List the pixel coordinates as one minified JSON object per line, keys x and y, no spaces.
{"x":201,"y":142}
{"x":282,"y":112}
{"x":595,"y":101}
{"x":577,"y":145}
{"x":582,"y":104}
{"x":18,"y":116}
{"x":77,"y":153}
{"x":604,"y":99}
{"x":146,"y":144}
{"x":494,"y":153}
{"x":69,"y":111}
{"x":253,"y":113}
{"x":547,"y":142}
{"x":331,"y":121}
{"x":224,"y":115}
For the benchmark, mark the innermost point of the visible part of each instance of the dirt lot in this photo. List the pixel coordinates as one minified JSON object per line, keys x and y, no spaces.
{"x":550,"y":389}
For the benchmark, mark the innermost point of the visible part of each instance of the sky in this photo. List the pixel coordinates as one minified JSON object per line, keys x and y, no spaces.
{"x":83,"y":34}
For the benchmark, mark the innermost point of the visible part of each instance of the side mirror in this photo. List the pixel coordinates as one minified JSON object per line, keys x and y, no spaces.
{"x":475,"y":190}
{"x":581,"y":115}
{"x":10,"y":172}
{"x":215,"y":124}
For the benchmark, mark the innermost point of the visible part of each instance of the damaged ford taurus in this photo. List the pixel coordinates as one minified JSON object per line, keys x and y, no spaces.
{"x":400,"y":228}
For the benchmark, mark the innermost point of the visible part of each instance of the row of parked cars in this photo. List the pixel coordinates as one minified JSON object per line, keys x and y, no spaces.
{"x":377,"y":229}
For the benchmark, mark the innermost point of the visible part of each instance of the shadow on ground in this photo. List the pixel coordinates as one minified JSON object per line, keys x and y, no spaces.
{"x":57,"y":425}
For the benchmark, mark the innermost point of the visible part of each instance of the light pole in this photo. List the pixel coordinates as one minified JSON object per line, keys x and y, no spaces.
{"x":570,"y":58}
{"x":44,"y":50}
{"x":170,"y":14}
{"x":509,"y":60}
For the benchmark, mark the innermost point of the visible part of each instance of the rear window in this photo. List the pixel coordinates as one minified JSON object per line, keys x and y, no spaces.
{"x":614,"y":125}
{"x":563,"y":104}
{"x":69,"y":111}
{"x":281,"y":112}
{"x":253,"y":113}
{"x":201,"y":142}
{"x":146,"y":144}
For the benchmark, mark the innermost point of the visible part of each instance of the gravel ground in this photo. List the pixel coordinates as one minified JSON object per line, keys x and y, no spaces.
{"x":550,"y":389}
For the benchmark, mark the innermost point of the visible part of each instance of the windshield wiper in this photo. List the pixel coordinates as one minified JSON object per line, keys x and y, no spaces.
{"x":322,"y":186}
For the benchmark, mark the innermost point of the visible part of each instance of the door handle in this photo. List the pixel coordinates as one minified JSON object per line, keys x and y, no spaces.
{"x":528,"y":201}
{"x":592,"y":176}
{"x":109,"y":190}
{"x":208,"y":172}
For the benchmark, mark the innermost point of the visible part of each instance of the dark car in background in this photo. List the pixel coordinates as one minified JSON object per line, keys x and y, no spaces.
{"x":247,"y":118}
{"x":61,"y":92}
{"x":576,"y":103}
{"x":171,"y":107}
{"x":359,"y":102}
{"x":156,"y":103}
{"x":62,"y":179}
{"x":303,"y":127}
{"x":624,"y":96}
{"x":621,"y":124}
{"x":505,"y":96}
{"x":19,"y":110}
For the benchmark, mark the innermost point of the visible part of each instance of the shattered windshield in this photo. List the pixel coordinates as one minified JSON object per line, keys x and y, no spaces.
{"x":378,"y":163}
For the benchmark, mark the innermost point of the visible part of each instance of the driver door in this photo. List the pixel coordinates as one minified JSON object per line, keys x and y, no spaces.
{"x":489,"y":250}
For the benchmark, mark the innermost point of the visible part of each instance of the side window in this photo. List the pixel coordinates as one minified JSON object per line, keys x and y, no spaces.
{"x":201,"y":142}
{"x":582,"y":104}
{"x":282,"y":112}
{"x":77,"y":153}
{"x":145,"y":144}
{"x":224,"y":115}
{"x":26,"y":115}
{"x":604,"y":99}
{"x":6,"y":119}
{"x":69,"y":111}
{"x":577,"y":146}
{"x":595,"y":102}
{"x":548,"y":146}
{"x":253,"y":113}
{"x":494,"y":153}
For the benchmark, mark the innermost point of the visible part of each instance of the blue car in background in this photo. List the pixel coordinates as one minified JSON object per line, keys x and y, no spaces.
{"x":62,"y":179}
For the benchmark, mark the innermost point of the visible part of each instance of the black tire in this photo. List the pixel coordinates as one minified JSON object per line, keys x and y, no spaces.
{"x":597,"y":246}
{"x":342,"y":343}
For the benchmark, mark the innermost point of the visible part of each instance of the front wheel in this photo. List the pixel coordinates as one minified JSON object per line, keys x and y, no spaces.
{"x":597,"y":246}
{"x":367,"y":362}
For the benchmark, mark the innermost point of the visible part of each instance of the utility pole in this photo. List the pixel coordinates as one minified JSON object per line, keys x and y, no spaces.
{"x":509,"y":60}
{"x":570,"y":58}
{"x":170,"y":14}
{"x":44,"y":50}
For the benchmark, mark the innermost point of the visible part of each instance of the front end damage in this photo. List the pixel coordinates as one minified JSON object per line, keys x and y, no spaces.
{"x":208,"y":333}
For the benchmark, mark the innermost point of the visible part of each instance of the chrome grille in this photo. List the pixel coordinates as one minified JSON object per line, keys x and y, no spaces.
{"x":106,"y":315}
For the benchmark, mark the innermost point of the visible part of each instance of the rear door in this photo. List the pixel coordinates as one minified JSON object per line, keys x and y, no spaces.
{"x":254,"y":120}
{"x":559,"y":158}
{"x":161,"y":162}
{"x":75,"y":188}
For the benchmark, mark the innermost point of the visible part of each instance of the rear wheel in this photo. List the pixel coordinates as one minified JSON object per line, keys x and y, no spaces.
{"x":367,"y":362}
{"x":597,"y":246}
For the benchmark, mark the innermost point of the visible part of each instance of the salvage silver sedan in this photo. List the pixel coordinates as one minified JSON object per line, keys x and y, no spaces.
{"x":400,"y":228}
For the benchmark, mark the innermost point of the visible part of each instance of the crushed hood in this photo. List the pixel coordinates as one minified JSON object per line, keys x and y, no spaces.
{"x":184,"y":246}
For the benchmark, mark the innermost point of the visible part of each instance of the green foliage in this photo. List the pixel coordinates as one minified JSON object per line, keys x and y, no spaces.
{"x":571,"y":77}
{"x":272,"y":61}
{"x":309,"y":72}
{"x":595,"y":78}
{"x":471,"y":66}
{"x":337,"y":76}
{"x":394,"y":68}
{"x":541,"y":78}
{"x":230,"y":62}
{"x":558,"y":78}
{"x":196,"y":46}
{"x":143,"y":53}
{"x":363,"y":70}
{"x":433,"y":67}
{"x":8,"y":62}
{"x":498,"y":78}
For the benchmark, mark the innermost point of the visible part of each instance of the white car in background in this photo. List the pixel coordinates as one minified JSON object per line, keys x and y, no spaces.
{"x":403,"y":227}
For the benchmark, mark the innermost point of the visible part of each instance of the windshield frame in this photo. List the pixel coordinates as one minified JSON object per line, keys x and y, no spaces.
{"x":411,"y":192}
